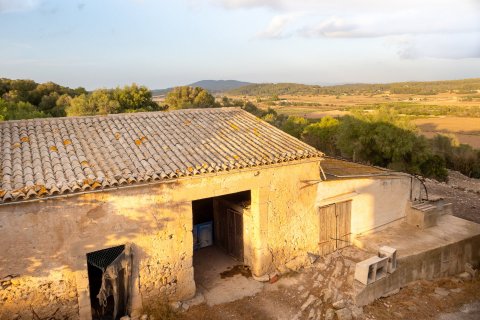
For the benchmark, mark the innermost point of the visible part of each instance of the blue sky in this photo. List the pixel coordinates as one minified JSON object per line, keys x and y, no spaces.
{"x":105,"y":43}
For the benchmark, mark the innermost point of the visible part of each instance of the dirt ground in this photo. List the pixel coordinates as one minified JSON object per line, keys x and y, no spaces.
{"x":309,"y":294}
{"x":461,"y":191}
{"x":438,"y":299}
{"x":317,"y":291}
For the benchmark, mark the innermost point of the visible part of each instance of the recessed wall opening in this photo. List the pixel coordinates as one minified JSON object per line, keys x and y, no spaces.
{"x":219,"y":225}
{"x":109,"y":278}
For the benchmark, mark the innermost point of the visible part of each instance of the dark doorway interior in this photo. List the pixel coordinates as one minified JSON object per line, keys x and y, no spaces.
{"x":109,"y":273}
{"x":219,"y":221}
{"x":218,"y":237}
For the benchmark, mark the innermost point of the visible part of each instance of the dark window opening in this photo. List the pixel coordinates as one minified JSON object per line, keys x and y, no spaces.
{"x":109,"y":276}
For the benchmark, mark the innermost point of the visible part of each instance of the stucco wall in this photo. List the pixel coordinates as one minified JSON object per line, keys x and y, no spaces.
{"x":376,"y":201}
{"x":44,"y":243}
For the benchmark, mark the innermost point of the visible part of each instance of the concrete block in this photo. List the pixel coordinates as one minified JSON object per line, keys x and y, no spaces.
{"x":422,"y":216}
{"x":371,"y":270}
{"x":391,"y":255}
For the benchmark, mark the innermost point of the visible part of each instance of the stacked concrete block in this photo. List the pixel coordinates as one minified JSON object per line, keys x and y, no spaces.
{"x":371,"y":270}
{"x":391,"y":255}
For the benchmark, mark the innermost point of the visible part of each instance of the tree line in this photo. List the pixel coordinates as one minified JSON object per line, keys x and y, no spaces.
{"x":466,"y":86}
{"x":26,"y":99}
{"x":380,"y":138}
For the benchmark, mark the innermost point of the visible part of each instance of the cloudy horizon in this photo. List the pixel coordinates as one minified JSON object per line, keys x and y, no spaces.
{"x":163,"y":44}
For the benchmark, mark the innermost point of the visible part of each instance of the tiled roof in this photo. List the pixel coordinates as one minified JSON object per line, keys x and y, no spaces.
{"x":42,"y":157}
{"x":337,"y":168}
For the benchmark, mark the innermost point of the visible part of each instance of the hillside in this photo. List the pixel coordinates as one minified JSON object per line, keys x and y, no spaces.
{"x":214,"y":86}
{"x":421,"y":88}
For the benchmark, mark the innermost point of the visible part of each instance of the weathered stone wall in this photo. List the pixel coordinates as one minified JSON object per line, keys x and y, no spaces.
{"x":44,"y":243}
{"x":376,"y":201}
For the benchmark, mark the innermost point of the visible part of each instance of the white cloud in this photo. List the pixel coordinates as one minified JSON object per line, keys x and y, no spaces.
{"x":276,"y":29}
{"x":436,"y":46}
{"x":17,"y":5}
{"x":433,"y":27}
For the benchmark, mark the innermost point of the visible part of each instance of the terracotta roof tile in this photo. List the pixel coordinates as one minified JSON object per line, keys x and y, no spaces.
{"x":42,"y":157}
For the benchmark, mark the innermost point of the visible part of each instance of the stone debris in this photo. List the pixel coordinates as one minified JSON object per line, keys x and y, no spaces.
{"x":198,"y":299}
{"x":465,"y":276}
{"x":176,"y":305}
{"x":313,"y":257}
{"x":469,"y":268}
{"x":307,"y":303}
{"x":442,"y":292}
{"x":274,"y":278}
{"x":344,"y":314}
{"x":340,"y":304}
{"x":357,"y":312}
{"x":330,"y":314}
{"x":297,"y":263}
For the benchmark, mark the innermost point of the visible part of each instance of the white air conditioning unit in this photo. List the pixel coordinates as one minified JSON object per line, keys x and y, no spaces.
{"x":391,"y":255}
{"x":371,"y":270}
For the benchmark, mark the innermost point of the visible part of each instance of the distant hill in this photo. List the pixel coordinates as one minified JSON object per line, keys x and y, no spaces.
{"x":425,"y":88}
{"x":214,"y":86}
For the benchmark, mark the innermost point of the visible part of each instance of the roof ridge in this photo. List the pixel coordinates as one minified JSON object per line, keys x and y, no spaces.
{"x":126,"y":114}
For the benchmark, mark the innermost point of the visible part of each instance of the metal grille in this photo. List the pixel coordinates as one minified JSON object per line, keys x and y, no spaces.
{"x":103,"y":258}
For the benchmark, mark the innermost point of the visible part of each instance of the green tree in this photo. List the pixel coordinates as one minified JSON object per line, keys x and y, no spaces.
{"x":61,"y":106}
{"x":294,"y":126}
{"x":19,"y":110}
{"x":98,"y":102}
{"x":386,"y":140}
{"x":322,"y":135}
{"x":189,"y":97}
{"x":135,"y":98}
{"x":81,"y":106}
{"x":3,"y":109}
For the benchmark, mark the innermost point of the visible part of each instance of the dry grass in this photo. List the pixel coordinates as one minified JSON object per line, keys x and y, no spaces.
{"x":160,"y":310}
{"x":466,"y":130}
{"x":324,"y":103}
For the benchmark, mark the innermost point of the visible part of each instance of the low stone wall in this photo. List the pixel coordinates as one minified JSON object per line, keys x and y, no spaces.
{"x":435,"y":263}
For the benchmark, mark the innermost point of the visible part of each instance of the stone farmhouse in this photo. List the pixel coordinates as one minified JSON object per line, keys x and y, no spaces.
{"x":103,"y":214}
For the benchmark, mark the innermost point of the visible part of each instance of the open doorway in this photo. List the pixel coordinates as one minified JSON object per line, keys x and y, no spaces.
{"x":219,"y":225}
{"x":109,"y":279}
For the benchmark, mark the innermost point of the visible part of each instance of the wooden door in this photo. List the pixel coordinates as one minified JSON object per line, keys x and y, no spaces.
{"x":235,"y":234}
{"x":334,"y":227}
{"x":228,"y":228}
